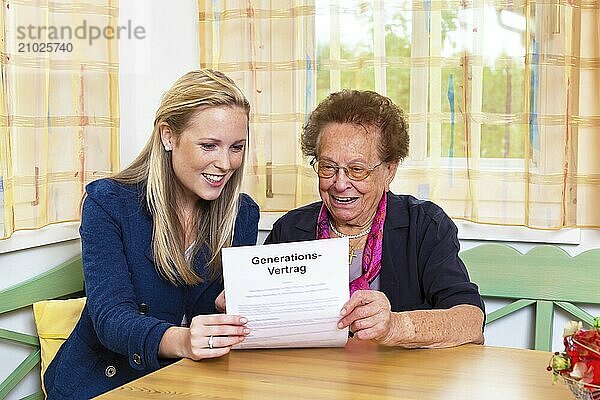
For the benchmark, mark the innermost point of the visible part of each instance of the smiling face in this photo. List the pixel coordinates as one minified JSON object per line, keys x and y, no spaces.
{"x":352,"y":204}
{"x":208,"y":151}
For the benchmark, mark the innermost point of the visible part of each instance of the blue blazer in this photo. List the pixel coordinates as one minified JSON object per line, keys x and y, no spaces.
{"x":420,"y":267}
{"x":129,"y":306}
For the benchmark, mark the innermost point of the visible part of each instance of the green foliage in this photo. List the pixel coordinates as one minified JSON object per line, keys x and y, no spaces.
{"x":397,"y":49}
{"x":503,"y":87}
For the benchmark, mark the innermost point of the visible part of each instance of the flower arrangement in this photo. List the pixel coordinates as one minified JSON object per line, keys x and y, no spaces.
{"x":579,"y":364}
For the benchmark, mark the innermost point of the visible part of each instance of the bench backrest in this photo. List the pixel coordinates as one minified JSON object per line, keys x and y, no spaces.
{"x":544,"y":277}
{"x":61,"y":281}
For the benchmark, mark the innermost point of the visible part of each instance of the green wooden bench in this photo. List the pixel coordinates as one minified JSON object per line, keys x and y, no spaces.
{"x":62,"y":281}
{"x":544,"y":277}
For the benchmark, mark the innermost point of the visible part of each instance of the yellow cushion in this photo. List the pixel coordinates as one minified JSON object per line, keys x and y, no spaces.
{"x":55,"y":320}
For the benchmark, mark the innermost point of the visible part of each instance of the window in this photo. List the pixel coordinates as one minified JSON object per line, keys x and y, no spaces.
{"x":487,"y":95}
{"x":59,"y":102}
{"x":501,"y":97}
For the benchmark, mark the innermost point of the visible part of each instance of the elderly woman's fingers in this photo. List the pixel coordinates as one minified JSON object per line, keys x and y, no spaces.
{"x":359,"y":298}
{"x":370,"y":322}
{"x":374,"y":327}
{"x":363,"y":304}
{"x":365,"y":323}
{"x":359,"y":313}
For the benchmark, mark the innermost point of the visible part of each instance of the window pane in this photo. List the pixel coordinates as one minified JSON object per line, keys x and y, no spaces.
{"x":503,"y":141}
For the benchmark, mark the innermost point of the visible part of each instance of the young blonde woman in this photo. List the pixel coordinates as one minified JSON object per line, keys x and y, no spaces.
{"x":151,"y":241}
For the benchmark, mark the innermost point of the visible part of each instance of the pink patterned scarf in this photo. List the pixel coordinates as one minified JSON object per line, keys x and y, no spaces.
{"x":373,"y":251}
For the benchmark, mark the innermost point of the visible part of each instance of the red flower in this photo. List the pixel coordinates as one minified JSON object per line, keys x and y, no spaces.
{"x":583,"y":372}
{"x":583,"y":350}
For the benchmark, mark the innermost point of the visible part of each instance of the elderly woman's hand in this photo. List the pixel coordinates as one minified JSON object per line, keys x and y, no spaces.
{"x":369,"y":316}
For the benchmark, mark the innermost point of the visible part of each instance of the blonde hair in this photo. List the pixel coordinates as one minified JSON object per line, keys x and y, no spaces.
{"x":215,"y":219}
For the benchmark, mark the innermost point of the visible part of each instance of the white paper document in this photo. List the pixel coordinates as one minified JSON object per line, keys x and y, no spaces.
{"x":291,"y":293}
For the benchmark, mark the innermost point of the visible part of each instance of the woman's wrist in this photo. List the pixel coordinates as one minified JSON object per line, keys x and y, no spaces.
{"x":175,"y":343}
{"x":435,"y":328}
{"x":402,"y":331}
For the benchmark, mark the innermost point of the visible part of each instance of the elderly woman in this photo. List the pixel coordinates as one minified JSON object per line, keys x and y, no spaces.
{"x":408,"y":286}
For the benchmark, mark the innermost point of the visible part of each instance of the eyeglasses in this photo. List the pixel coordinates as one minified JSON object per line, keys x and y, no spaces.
{"x":354,"y":172}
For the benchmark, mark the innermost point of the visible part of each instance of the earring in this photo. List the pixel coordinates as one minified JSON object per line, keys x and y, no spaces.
{"x":168,"y":148}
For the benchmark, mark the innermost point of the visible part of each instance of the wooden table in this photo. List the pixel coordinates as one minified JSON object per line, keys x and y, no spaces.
{"x":358,"y":371}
